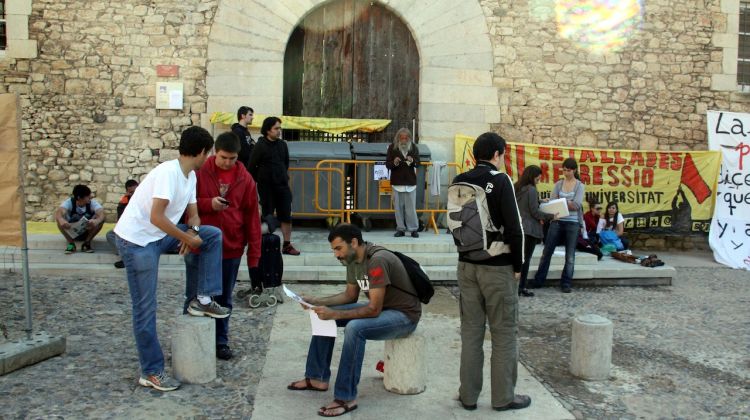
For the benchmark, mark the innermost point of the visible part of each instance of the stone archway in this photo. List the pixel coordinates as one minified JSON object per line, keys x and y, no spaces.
{"x":456,"y":94}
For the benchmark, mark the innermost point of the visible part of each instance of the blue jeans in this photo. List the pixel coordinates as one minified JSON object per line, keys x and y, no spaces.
{"x":229,"y":269}
{"x":567,"y":234}
{"x":142,"y":268}
{"x":388,"y":325}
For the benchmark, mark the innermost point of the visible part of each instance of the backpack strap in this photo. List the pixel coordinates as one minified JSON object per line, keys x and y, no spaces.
{"x":399,"y":260}
{"x":72,"y":210}
{"x":88,"y":212}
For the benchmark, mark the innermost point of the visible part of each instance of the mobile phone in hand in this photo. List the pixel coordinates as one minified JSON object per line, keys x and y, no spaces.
{"x":224,"y":201}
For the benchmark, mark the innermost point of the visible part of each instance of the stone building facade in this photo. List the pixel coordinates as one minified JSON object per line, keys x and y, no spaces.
{"x":85,"y":71}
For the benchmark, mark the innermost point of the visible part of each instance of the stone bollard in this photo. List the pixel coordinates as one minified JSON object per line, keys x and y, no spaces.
{"x":591,"y":347}
{"x":405,"y":365}
{"x":194,"y":349}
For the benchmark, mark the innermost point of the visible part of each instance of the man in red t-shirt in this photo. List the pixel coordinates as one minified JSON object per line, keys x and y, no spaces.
{"x":228,"y":199}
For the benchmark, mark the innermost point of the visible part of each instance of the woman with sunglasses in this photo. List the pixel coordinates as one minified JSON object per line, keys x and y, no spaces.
{"x":565,"y":229}
{"x":613,"y":220}
{"x":527,"y":198}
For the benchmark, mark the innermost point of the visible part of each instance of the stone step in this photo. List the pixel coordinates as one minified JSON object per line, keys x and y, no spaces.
{"x":428,"y":242}
{"x":606,"y":272}
{"x":436,"y":253}
{"x":103,"y":256}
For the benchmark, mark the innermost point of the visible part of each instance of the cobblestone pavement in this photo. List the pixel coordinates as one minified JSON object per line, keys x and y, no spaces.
{"x":681,"y":351}
{"x":97,"y":376}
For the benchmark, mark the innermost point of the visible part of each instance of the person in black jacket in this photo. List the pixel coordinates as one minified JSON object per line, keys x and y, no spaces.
{"x":244,"y":118}
{"x":402,"y":159}
{"x":269,"y":166}
{"x":489,"y":288}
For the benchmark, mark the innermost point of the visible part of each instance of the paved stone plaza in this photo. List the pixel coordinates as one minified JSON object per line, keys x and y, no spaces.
{"x":680,"y":351}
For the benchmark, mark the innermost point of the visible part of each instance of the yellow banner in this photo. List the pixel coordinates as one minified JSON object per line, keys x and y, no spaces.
{"x":327,"y":125}
{"x":656,"y":191}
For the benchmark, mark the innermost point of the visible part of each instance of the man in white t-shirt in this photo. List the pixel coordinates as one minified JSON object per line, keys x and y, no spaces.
{"x":149,"y":227}
{"x":72,"y":210}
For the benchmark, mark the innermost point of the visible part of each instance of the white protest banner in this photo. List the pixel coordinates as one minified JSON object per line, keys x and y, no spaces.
{"x":729,"y":235}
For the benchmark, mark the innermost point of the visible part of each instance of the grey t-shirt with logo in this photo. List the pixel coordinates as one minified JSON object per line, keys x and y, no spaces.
{"x":382,"y":268}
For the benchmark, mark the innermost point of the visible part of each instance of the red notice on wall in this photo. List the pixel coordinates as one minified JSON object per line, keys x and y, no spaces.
{"x":164,"y":70}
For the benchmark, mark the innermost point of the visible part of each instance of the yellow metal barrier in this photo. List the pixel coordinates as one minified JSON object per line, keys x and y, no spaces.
{"x":384,"y":204}
{"x":303,"y":194}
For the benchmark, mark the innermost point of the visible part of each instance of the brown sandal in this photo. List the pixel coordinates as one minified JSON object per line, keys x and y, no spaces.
{"x":340,"y":404}
{"x":308,"y":387}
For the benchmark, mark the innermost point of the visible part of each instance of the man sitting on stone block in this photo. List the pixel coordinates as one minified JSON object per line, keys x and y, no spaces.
{"x":392,"y":311}
{"x":70,"y":214}
{"x":148,"y":228}
{"x":130,"y":186}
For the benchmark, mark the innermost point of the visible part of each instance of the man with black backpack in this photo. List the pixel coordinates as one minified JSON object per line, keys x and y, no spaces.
{"x":392,"y":311}
{"x":79,"y":206}
{"x":482,"y":200}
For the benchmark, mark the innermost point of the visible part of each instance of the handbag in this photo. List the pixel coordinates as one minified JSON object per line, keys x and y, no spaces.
{"x":609,"y":237}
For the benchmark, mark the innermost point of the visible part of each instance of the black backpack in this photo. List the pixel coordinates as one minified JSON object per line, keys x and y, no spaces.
{"x":271,"y":264}
{"x":418,"y":277}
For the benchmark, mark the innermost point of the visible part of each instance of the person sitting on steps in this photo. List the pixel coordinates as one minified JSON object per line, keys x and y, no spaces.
{"x":75,"y":208}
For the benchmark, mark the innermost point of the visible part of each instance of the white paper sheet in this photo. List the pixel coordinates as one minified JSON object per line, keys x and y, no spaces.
{"x":559,"y":206}
{"x":297,"y":298}
{"x":320,"y":327}
{"x":175,"y":99}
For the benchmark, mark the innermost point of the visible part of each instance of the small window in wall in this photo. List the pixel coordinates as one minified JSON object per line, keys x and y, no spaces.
{"x":743,"y":54}
{"x":3,"y":35}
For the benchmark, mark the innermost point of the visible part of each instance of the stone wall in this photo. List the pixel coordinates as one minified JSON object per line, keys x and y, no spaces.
{"x":88,"y":98}
{"x":651,"y":94}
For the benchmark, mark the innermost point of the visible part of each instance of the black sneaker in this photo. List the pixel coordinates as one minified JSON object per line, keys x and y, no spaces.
{"x":468,"y":407}
{"x":223,"y":352}
{"x":399,"y":233}
{"x":567,"y":290}
{"x":415,"y":234}
{"x":120,"y":264}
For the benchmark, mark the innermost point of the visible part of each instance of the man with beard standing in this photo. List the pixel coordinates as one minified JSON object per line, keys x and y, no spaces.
{"x":391,"y":312}
{"x":402,"y":160}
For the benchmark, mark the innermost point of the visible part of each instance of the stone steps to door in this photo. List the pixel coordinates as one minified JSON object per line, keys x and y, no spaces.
{"x":436,"y":253}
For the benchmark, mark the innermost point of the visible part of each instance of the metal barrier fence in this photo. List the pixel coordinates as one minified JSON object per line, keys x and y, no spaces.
{"x":355,"y":187}
{"x":325,"y":209}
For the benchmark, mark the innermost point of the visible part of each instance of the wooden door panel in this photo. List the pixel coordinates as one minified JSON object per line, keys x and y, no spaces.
{"x":352,"y":59}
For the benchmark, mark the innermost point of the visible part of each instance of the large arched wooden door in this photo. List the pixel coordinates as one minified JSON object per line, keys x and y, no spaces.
{"x":352,"y":59}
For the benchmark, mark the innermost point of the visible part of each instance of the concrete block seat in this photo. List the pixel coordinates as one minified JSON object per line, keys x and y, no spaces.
{"x":405,"y":370}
